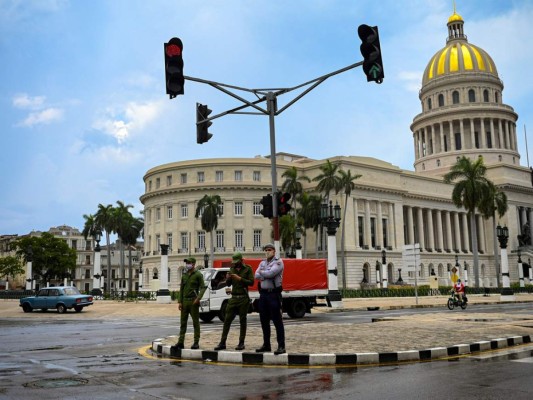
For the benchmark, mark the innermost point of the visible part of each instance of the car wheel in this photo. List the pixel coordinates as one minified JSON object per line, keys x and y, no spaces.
{"x":78,"y":308}
{"x":61,"y":308}
{"x":27,"y":308}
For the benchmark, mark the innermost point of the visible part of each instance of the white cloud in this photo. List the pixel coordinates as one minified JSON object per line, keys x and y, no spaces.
{"x":43,"y":117}
{"x":27,"y":102}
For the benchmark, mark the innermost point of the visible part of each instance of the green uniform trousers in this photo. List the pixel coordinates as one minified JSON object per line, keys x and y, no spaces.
{"x":236,"y":305}
{"x":187,"y":307}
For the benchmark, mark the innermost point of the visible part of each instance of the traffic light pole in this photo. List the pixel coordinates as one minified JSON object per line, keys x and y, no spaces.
{"x":270,"y":96}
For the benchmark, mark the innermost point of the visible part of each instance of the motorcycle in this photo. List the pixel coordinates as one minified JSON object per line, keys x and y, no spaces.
{"x":453,"y":301}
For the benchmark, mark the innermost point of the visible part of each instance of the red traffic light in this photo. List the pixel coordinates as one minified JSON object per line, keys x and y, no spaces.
{"x":173,"y":50}
{"x":283,"y":203}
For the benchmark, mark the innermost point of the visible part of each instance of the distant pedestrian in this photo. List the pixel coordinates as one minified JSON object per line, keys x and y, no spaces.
{"x":191,"y":291}
{"x":240,"y":277}
{"x":270,"y":277}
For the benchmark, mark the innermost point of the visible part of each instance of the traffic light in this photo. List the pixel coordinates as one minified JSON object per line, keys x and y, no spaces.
{"x":267,"y":210}
{"x":174,"y":67}
{"x":371,"y":51}
{"x":202,"y":135}
{"x":283,"y":203}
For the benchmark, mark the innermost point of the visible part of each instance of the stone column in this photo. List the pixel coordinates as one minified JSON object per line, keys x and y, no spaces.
{"x":483,"y":133}
{"x":431,"y":235}
{"x":473,"y":134}
{"x":481,"y":233}
{"x":440,"y":238}
{"x":379,"y":226}
{"x":432,"y":139}
{"x":452,"y":137}
{"x":462,"y":131}
{"x":163,"y":294}
{"x":466,"y":235}
{"x":356,"y":223}
{"x":420,"y":223}
{"x":501,"y":135}
{"x":391,"y":228}
{"x":458,"y":246}
{"x":441,"y":137}
{"x":449,"y":231}
{"x":410,"y":225}
{"x":531,"y":226}
{"x":367,"y":239}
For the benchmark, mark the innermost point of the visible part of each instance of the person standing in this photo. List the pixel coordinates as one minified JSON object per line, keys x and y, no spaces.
{"x":240,"y":277}
{"x":270,"y":277}
{"x":191,"y":291}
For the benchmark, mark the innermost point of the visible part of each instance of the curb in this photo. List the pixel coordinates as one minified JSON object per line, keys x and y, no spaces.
{"x":341,"y":359}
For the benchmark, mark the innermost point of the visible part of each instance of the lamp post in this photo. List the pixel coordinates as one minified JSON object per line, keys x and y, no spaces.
{"x":140,"y":275}
{"x":384,"y":272}
{"x":330,"y":217}
{"x":503,"y":236}
{"x":97,"y":270}
{"x":163,"y":294}
{"x":520,"y":269}
{"x":400,"y":280}
{"x":206,"y":260}
{"x":29,"y":263}
{"x":465,"y":273}
{"x":298,"y":236}
{"x":530,"y":270}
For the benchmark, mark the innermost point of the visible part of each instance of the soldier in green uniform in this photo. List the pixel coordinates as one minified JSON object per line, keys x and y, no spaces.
{"x":240,"y":276}
{"x":191,"y":291}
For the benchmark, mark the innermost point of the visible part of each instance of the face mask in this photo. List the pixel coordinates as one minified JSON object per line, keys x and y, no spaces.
{"x":188,"y":267}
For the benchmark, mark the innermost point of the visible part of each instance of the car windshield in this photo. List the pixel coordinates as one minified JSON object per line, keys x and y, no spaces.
{"x":71,"y":290}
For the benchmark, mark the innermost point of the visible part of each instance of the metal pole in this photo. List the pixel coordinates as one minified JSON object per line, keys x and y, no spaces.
{"x":271,"y":99}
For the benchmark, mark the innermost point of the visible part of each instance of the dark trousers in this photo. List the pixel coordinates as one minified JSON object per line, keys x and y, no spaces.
{"x":270,"y":310}
{"x":188,"y":308}
{"x":236,"y":305}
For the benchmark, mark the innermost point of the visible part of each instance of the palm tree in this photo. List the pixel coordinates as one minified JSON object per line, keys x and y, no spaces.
{"x":310,"y":216}
{"x":135,"y":228}
{"x":293,"y":183}
{"x":471,"y":191}
{"x":348,"y":184}
{"x":496,"y":202}
{"x":287,"y":230}
{"x":104,"y":218}
{"x":328,"y":180}
{"x":90,"y":228}
{"x":122,"y":217}
{"x":209,"y":209}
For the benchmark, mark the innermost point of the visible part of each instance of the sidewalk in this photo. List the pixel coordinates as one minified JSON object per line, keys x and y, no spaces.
{"x":387,"y":339}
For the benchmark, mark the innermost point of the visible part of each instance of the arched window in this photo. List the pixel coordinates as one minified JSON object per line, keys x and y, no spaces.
{"x":455,"y":97}
{"x":429,"y":104}
{"x":441,"y":100}
{"x":471,"y":96}
{"x":156,"y":274}
{"x":486,"y":96}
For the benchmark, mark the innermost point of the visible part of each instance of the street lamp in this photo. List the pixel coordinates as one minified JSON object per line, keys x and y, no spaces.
{"x":206,"y":260}
{"x":465,"y":273}
{"x":330,"y":217}
{"x":503,"y":237}
{"x":298,"y":236}
{"x":520,"y":269}
{"x":384,"y":272}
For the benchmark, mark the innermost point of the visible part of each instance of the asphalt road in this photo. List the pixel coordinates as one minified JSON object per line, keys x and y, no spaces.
{"x":48,"y":356}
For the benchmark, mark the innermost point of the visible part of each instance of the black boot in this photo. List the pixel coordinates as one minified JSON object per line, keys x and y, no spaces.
{"x":195,"y":346}
{"x":280,"y":350}
{"x":221,"y":346}
{"x":240,"y":346}
{"x":263,"y":349}
{"x":179,"y":346}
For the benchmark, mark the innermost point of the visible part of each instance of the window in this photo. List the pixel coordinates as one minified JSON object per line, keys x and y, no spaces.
{"x":169,"y":212}
{"x":150,"y":185}
{"x":441,"y":100}
{"x":200,"y":239}
{"x":385,"y":242}
{"x":445,"y":143}
{"x":489,"y":140}
{"x":87,"y":260}
{"x":219,"y":239}
{"x":158,"y":214}
{"x":361,"y":227}
{"x":169,"y":180}
{"x":471,"y":96}
{"x":457,"y":141}
{"x":257,"y":239}
{"x":238,"y":176}
{"x":238,"y":208}
{"x":201,"y":176}
{"x":373,"y":232}
{"x":184,"y":241}
{"x":486,"y":96}
{"x":257,"y":176}
{"x":184,"y":211}
{"x":157,"y":183}
{"x":429,"y":104}
{"x":455,"y":97}
{"x":239,"y":239}
{"x":183,"y":179}
{"x":496,"y":98}
{"x":257,"y":208}
{"x":157,"y":242}
{"x":476,"y":139}
{"x":87,"y":274}
{"x":169,"y":241}
{"x":219,"y":176}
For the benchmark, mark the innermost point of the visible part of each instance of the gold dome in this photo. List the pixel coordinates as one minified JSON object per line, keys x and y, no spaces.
{"x":455,"y":17}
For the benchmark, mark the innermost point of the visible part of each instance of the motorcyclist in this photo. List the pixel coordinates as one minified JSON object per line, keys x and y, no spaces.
{"x":459,"y":289}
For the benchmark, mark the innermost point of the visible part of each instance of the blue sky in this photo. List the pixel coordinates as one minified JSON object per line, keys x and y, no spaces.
{"x":84,"y":114}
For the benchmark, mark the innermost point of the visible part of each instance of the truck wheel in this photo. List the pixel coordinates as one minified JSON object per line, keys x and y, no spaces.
{"x":297,"y":308}
{"x":27,"y":308}
{"x":208,"y":316}
{"x":222,"y":311}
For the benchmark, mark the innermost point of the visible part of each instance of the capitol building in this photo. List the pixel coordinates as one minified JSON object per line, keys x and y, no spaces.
{"x":463,"y":113}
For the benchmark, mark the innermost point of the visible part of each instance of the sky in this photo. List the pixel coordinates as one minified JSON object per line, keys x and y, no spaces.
{"x":84,"y":112}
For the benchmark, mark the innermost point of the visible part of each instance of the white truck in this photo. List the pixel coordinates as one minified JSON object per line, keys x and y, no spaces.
{"x":304,"y":282}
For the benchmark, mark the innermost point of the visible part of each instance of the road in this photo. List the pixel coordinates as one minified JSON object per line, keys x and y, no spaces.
{"x":88,"y":358}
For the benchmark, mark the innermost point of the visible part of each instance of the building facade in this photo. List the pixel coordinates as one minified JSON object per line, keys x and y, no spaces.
{"x":463,"y":114}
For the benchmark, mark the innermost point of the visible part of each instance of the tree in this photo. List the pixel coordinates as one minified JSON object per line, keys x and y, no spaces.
{"x":310,"y":215}
{"x":287,"y":230}
{"x":135,"y":228}
{"x":208,"y":210}
{"x":495,"y":203}
{"x":52,"y":257}
{"x":472,"y":189}
{"x":104,"y":218}
{"x":10,"y":266}
{"x":90,"y":228}
{"x":293,"y":184}
{"x":347,"y":184}
{"x":122,"y":219}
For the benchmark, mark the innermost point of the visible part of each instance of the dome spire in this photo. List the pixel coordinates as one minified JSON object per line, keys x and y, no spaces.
{"x":455,"y":26}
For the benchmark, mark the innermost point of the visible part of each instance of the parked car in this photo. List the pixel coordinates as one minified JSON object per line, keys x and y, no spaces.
{"x":61,"y":298}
